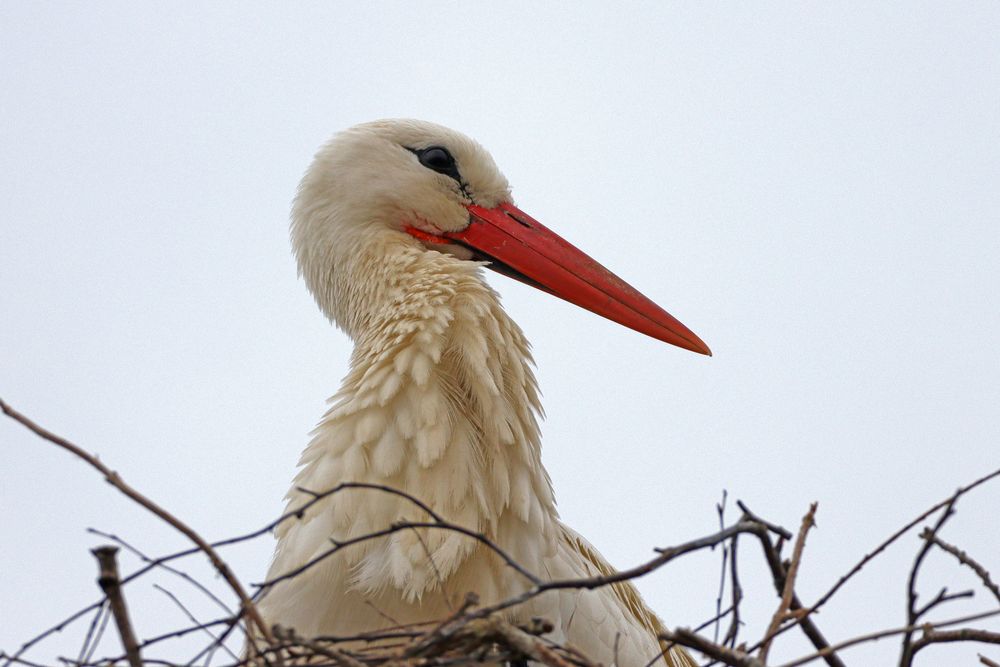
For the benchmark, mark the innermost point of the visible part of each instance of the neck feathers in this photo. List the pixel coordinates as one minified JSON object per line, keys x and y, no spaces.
{"x":440,"y":402}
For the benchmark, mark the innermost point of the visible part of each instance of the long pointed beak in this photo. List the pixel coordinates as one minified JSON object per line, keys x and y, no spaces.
{"x":523,"y":248}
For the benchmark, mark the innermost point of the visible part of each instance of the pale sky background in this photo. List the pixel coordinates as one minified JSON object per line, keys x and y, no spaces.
{"x":813,"y":188}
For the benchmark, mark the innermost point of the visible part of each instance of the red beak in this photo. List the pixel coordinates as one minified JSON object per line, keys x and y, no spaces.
{"x":521,"y":247}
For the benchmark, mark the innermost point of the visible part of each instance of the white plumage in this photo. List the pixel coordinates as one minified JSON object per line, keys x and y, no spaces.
{"x":440,"y":402}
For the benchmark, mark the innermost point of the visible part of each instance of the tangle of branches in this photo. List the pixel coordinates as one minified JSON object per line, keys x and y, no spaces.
{"x":475,"y":633}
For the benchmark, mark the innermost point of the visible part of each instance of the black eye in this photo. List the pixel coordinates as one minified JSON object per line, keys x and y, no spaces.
{"x":438,"y":159}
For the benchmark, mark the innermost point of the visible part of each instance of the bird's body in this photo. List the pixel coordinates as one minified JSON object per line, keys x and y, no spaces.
{"x":440,"y":403}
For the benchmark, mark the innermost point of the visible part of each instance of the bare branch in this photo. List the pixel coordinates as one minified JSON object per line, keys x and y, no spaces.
{"x":942,"y":597}
{"x":800,"y":618}
{"x":395,"y":528}
{"x":913,"y":614}
{"x":528,"y":645}
{"x":191,"y":617}
{"x":437,"y":573}
{"x":14,"y":659}
{"x":964,"y":559}
{"x":720,"y":509}
{"x":732,"y":657}
{"x":666,"y":555}
{"x":774,"y":528}
{"x":882,"y":634}
{"x":111,"y":585}
{"x":895,"y":536}
{"x":737,"y":595}
{"x":185,"y":631}
{"x":58,"y":627}
{"x":172,"y":570}
{"x":115,"y":480}
{"x":94,"y":633}
{"x":788,"y":592}
{"x":340,"y":658}
{"x":804,"y":618}
{"x":932,"y":636}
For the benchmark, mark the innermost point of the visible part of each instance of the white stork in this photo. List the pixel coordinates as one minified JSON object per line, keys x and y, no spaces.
{"x":391,"y":226}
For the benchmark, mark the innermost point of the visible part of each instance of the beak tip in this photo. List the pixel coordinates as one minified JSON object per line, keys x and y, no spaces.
{"x":679,"y":335}
{"x":688,"y":341}
{"x":701,"y":348}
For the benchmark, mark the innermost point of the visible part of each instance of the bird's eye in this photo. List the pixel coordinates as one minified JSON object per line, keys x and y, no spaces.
{"x":438,"y":159}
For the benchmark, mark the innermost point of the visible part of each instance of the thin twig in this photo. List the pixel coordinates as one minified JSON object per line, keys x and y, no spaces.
{"x":665,"y":556}
{"x":964,"y":559}
{"x":381,"y":613}
{"x":942,"y":597}
{"x":93,"y":634}
{"x":58,"y":627}
{"x":191,"y":617}
{"x":395,"y":528}
{"x":434,"y":567}
{"x":174,"y":634}
{"x":223,"y":636}
{"x":14,"y":659}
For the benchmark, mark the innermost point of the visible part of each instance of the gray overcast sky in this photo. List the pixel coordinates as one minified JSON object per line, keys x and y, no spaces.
{"x":811,"y":187}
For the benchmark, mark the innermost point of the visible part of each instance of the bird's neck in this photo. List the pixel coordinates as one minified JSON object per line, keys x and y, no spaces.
{"x":440,"y":402}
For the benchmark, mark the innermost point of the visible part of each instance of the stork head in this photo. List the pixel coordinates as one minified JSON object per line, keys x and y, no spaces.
{"x":413,"y":182}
